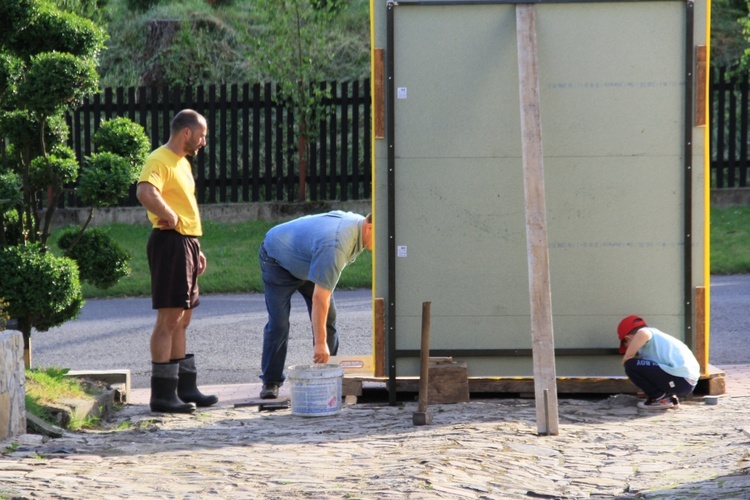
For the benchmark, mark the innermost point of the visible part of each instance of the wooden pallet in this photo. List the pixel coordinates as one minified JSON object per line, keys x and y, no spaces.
{"x":711,"y":384}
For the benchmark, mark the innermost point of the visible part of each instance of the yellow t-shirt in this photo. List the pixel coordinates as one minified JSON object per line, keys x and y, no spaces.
{"x":173,"y":177}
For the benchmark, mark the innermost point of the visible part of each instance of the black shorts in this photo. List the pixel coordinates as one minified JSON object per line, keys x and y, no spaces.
{"x":173,"y":260}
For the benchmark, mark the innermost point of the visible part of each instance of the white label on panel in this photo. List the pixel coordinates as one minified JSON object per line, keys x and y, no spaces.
{"x":401,"y":251}
{"x":402,"y":93}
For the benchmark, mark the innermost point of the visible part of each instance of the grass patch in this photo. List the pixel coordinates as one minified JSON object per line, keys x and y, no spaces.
{"x":730,"y":240}
{"x":45,"y":387}
{"x":231,"y":252}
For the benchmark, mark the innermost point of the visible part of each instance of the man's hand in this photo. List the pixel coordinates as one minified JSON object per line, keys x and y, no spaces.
{"x":169,"y":223}
{"x":201,"y":264}
{"x":321,"y":353}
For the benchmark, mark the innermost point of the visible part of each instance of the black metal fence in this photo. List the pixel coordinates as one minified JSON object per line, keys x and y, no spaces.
{"x":251,"y":150}
{"x":251,"y":153}
{"x":729,"y":129}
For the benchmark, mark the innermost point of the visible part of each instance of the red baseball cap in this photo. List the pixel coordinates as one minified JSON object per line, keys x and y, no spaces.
{"x":626,"y":326}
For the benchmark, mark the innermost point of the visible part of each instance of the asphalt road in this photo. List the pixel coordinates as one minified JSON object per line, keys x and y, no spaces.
{"x":226,"y":333}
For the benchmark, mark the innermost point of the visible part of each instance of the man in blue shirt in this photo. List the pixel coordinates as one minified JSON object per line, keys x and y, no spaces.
{"x":306,"y":255}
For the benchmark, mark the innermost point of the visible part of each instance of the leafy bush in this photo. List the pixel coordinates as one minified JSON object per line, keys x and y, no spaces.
{"x":101,"y":261}
{"x":123,"y":137}
{"x":42,"y":290}
{"x":57,"y":80}
{"x":56,"y":171}
{"x":3,"y":314}
{"x":55,"y":30}
{"x":105,"y":179}
{"x":15,"y":15}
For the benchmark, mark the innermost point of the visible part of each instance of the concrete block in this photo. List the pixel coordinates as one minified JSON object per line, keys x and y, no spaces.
{"x":117,"y":379}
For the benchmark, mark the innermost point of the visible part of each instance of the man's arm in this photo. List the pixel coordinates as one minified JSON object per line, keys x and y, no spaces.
{"x":151,"y":199}
{"x":639,"y":340}
{"x":321,"y":303}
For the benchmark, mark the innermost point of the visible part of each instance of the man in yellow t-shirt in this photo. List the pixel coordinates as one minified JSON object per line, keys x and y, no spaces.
{"x":166,"y":189}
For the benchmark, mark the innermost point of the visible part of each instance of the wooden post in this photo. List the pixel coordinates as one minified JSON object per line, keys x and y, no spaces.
{"x":701,"y":340}
{"x":378,"y":97}
{"x":422,"y":416}
{"x":543,"y":344}
{"x":379,"y":337}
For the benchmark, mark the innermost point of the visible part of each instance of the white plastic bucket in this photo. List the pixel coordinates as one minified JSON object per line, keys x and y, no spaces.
{"x":315,"y":389}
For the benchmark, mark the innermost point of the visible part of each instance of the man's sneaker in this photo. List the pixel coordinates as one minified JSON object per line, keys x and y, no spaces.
{"x":664,"y":403}
{"x":269,"y":391}
{"x":675,"y":400}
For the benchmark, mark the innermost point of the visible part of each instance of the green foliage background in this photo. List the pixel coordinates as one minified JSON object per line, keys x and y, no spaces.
{"x":212,"y":42}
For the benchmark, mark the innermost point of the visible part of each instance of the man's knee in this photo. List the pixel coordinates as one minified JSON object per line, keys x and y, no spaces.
{"x":168,"y":320}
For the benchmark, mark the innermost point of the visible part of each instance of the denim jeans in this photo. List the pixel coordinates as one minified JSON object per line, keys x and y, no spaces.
{"x":655,"y":382}
{"x":279,"y":286}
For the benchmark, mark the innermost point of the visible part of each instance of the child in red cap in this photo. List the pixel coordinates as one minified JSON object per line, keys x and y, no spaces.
{"x":659,"y":364}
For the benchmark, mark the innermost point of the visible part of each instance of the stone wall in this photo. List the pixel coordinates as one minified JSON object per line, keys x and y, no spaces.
{"x":12,"y":385}
{"x":229,"y":213}
{"x":730,"y":197}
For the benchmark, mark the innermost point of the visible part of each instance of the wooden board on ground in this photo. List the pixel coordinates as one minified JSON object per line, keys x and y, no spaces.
{"x":258,"y":402}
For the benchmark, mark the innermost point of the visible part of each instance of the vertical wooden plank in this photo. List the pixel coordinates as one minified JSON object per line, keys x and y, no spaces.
{"x":367,"y":144}
{"x":332,"y":147}
{"x":291,"y":178}
{"x":107,"y":104}
{"x":379,"y":336}
{"x":323,"y":152}
{"x":201,"y":182}
{"x":278,"y":177}
{"x":256,"y":142}
{"x":234,"y":154}
{"x":210,"y":141}
{"x":701,"y":340}
{"x":543,"y":352}
{"x":246,"y":146}
{"x":378,"y":99}
{"x":166,"y":114}
{"x":356,"y":165}
{"x":701,"y":85}
{"x":344,"y":143}
{"x":222,"y":126}
{"x":268,"y":143}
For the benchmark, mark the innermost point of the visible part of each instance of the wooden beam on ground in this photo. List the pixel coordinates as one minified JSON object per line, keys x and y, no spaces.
{"x":543,"y":344}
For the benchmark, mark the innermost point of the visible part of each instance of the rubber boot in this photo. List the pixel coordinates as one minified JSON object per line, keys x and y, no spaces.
{"x":187,"y":388}
{"x":164,"y":390}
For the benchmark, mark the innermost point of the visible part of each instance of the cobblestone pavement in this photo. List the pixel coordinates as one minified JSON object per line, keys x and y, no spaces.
{"x":487,"y":448}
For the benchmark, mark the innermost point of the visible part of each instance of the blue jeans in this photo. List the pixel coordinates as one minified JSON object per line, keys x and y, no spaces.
{"x":279,"y":286}
{"x":655,"y":382}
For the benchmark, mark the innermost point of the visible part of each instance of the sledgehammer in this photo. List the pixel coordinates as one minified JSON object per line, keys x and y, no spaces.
{"x":421,"y":416}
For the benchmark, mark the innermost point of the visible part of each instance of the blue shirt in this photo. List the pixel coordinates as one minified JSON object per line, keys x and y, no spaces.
{"x":317,"y":247}
{"x":672,"y":356}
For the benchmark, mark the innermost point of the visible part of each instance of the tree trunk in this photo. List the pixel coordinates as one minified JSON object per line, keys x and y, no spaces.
{"x":25,"y":327}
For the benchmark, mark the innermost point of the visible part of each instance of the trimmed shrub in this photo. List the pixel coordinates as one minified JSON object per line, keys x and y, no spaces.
{"x":101,"y":261}
{"x":42,"y":290}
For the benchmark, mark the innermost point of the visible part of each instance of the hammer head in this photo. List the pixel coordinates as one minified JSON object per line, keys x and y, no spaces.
{"x":421,"y":418}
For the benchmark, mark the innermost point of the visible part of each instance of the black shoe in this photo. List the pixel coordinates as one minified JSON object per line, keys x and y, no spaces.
{"x":269,"y":391}
{"x":675,"y":400}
